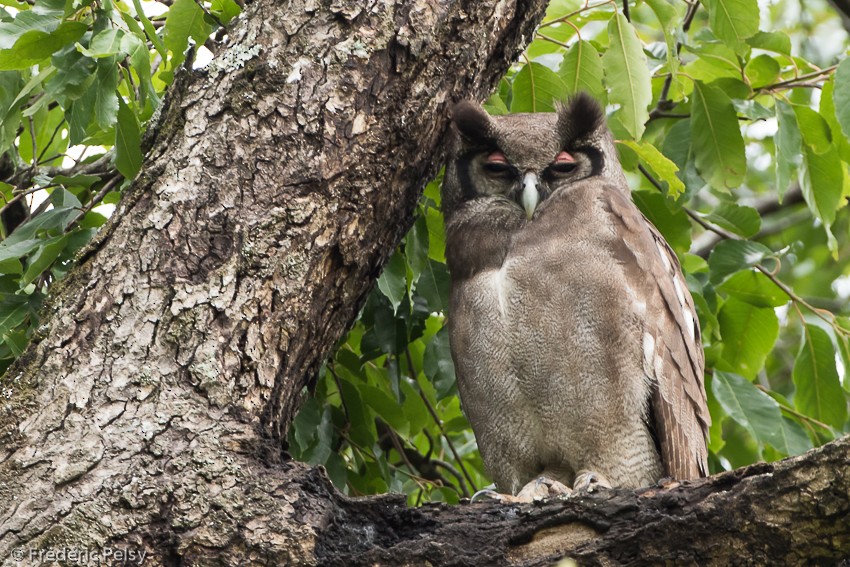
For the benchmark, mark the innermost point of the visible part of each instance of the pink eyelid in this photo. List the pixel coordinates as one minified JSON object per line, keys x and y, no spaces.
{"x":497,"y":157}
{"x":564,"y":157}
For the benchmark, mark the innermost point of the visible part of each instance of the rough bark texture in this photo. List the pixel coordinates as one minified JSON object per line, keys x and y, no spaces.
{"x":151,"y":409}
{"x":148,"y":414}
{"x":795,"y":512}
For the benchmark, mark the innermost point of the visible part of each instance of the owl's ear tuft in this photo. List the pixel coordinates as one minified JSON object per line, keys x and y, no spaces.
{"x":579,"y":118}
{"x":473,"y":123}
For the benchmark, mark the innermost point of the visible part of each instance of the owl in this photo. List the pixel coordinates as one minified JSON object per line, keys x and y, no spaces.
{"x":575,"y":339}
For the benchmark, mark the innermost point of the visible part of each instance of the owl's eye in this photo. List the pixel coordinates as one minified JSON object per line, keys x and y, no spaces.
{"x":497,"y":163}
{"x":564,"y":163}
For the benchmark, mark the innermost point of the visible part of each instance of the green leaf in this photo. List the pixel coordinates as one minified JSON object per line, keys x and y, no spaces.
{"x":128,"y":153}
{"x":827,"y":110}
{"x":581,"y":69}
{"x":755,"y":288}
{"x":819,"y":392}
{"x":716,"y":138}
{"x":757,"y":412}
{"x":627,"y":75}
{"x":438,"y":365}
{"x":788,"y":146}
{"x":668,"y":18}
{"x":664,"y":169}
{"x":673,"y":225}
{"x":714,"y":61}
{"x":762,"y":70}
{"x":536,"y":88}
{"x":776,"y":41}
{"x":733,"y":21}
{"x":730,"y":256}
{"x":385,"y":407}
{"x":105,"y":95}
{"x":495,"y":105}
{"x":104,"y":44}
{"x":841,"y":96}
{"x":749,"y":333}
{"x":34,"y":46}
{"x":814,"y":129}
{"x":43,"y":258}
{"x":393,"y":280}
{"x":149,"y":29}
{"x":436,"y":235}
{"x":822,"y":182}
{"x":185,"y":19}
{"x":13,"y":312}
{"x":416,"y":247}
{"x":434,"y":286}
{"x":742,"y":220}
{"x":225,"y":10}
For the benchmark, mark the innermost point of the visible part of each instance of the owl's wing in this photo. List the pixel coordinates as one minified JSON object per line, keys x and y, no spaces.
{"x":678,"y":412}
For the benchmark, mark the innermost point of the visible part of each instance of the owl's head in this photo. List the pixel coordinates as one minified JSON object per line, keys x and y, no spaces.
{"x":524,"y":158}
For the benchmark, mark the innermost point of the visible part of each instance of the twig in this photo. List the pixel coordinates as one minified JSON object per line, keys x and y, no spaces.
{"x":439,"y":423}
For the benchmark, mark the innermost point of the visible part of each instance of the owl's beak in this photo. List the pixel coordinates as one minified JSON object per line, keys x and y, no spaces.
{"x":530,"y":196}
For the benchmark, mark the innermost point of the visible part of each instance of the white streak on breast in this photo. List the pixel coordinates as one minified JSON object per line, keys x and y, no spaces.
{"x":648,"y":348}
{"x":689,"y":322}
{"x":664,"y":259}
{"x":502,"y":286}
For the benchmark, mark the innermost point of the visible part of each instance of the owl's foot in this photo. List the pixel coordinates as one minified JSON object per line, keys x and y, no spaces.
{"x":589,"y":481}
{"x":541,"y":488}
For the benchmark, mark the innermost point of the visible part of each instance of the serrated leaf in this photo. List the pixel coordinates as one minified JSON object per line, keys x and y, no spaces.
{"x":627,"y":75}
{"x":841,"y":96}
{"x":757,"y":412}
{"x":664,"y":169}
{"x":393,"y":280}
{"x":748,"y":333}
{"x":733,"y":21}
{"x":128,"y":138}
{"x":730,"y":256}
{"x":788,"y":146}
{"x":581,"y":69}
{"x":818,"y":388}
{"x":716,"y":138}
{"x":755,"y":288}
{"x":742,"y":220}
{"x":536,"y":88}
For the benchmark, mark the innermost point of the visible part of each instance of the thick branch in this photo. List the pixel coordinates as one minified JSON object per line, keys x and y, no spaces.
{"x":794,"y":512}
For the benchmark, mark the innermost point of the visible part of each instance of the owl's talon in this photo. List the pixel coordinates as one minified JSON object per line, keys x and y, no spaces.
{"x":542,"y":488}
{"x":589,"y":481}
{"x":486,"y":494}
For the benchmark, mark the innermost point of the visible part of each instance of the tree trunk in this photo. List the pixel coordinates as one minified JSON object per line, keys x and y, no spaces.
{"x":151,"y":410}
{"x":149,"y":414}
